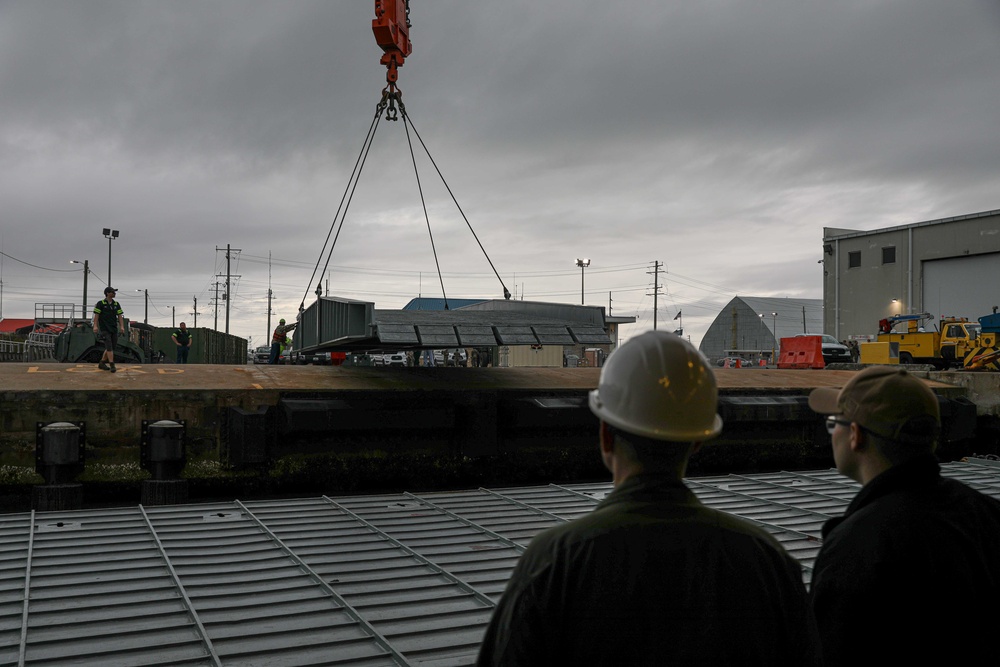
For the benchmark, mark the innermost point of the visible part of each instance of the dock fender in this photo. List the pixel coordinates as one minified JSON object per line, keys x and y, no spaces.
{"x":958,"y":418}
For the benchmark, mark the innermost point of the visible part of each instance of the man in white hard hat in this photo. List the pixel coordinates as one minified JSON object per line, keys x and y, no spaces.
{"x":652,"y":576}
{"x":912,"y":569}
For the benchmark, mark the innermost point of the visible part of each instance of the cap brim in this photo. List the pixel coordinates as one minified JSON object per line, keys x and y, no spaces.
{"x":824,"y":401}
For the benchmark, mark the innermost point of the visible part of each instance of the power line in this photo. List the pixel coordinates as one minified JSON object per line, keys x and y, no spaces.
{"x":35,"y":266}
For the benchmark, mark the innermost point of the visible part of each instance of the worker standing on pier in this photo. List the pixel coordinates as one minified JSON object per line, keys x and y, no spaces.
{"x":911,"y":573}
{"x":280,"y":339}
{"x":652,"y":576}
{"x":108,"y":323}
{"x":182,"y":339}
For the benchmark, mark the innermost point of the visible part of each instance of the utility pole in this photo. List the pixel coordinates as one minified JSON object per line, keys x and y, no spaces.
{"x":228,"y":286}
{"x":269,"y":294}
{"x":195,"y":313}
{"x":86,"y":271}
{"x":228,"y":291}
{"x":656,"y":288}
{"x":173,"y":317}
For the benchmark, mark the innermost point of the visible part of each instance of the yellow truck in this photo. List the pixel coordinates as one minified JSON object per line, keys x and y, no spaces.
{"x":955,"y":343}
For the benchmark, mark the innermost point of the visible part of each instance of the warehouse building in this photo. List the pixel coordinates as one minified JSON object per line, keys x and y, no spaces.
{"x":944,"y":267}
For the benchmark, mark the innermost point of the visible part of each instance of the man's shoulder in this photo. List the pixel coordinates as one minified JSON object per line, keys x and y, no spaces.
{"x":696,"y":523}
{"x":898,"y":518}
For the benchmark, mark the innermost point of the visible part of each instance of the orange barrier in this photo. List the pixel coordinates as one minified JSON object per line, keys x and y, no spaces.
{"x":801,"y":352}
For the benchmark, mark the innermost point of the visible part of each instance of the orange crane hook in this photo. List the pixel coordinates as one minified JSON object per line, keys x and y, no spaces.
{"x":391,"y":26}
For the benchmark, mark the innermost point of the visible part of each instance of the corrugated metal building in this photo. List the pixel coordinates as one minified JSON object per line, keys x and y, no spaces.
{"x":400,"y":579}
{"x":751,"y":326}
{"x":946,"y":266}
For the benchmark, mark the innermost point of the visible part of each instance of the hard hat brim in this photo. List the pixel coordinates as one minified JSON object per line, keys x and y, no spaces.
{"x":663,"y":433}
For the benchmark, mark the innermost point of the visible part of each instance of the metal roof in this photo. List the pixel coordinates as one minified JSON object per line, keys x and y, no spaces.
{"x":837,"y":234}
{"x":395,"y":579}
{"x":334,"y":323}
{"x":436,"y":303}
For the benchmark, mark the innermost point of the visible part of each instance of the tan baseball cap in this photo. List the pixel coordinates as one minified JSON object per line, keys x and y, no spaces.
{"x":887,"y":401}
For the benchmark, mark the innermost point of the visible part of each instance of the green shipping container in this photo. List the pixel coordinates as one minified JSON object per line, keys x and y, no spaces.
{"x":208,"y":346}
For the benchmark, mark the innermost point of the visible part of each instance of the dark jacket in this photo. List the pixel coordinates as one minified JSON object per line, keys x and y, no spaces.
{"x":910,"y":573}
{"x":653,"y":577}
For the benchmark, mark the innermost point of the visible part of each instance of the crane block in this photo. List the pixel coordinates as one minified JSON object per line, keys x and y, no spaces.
{"x":391,"y":28}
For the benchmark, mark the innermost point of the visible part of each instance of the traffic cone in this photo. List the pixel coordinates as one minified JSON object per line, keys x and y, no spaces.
{"x":739,"y":363}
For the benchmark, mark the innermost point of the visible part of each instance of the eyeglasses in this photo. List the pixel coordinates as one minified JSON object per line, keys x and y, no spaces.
{"x":831,"y":423}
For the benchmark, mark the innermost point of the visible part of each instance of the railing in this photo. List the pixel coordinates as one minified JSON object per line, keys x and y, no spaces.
{"x":39,"y":346}
{"x":56,"y":312}
{"x":11,"y":350}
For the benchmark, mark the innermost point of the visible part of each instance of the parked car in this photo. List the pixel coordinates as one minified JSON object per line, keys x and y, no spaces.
{"x":834,"y":352}
{"x":743,"y":363}
{"x":313,"y":358}
{"x":394,"y":359}
{"x":262,"y":354}
{"x":449,"y":358}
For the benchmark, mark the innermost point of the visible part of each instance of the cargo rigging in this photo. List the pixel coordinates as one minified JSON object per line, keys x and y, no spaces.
{"x":391,"y":27}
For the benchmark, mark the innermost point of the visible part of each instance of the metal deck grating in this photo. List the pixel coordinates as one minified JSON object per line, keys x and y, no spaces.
{"x":395,"y":579}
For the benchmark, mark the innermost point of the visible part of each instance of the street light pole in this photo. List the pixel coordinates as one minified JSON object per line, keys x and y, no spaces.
{"x":760,"y":350}
{"x":110,"y":234}
{"x":86,"y":270}
{"x":774,"y":333}
{"x":583,"y":264}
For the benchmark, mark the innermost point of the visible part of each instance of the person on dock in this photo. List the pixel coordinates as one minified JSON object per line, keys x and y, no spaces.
{"x":280,"y":339}
{"x":910,"y":574}
{"x":182,"y":339}
{"x":108,"y":323}
{"x":652,"y":576}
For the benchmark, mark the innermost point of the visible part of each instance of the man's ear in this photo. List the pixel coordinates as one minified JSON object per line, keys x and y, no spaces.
{"x":606,"y":438}
{"x":858,"y":437}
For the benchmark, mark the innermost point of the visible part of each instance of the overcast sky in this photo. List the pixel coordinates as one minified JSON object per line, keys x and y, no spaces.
{"x":716,"y":138}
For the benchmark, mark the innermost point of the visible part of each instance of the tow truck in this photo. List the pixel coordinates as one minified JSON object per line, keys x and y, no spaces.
{"x":956,"y":342}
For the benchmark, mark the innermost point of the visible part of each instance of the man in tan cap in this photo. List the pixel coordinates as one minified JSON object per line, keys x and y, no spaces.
{"x":911,"y":573}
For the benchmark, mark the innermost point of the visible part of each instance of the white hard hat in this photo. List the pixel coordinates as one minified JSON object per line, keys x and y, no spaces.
{"x":657,"y":385}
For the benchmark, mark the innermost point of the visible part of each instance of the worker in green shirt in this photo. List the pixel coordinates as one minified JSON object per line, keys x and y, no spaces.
{"x":108,"y":324}
{"x":182,"y":339}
